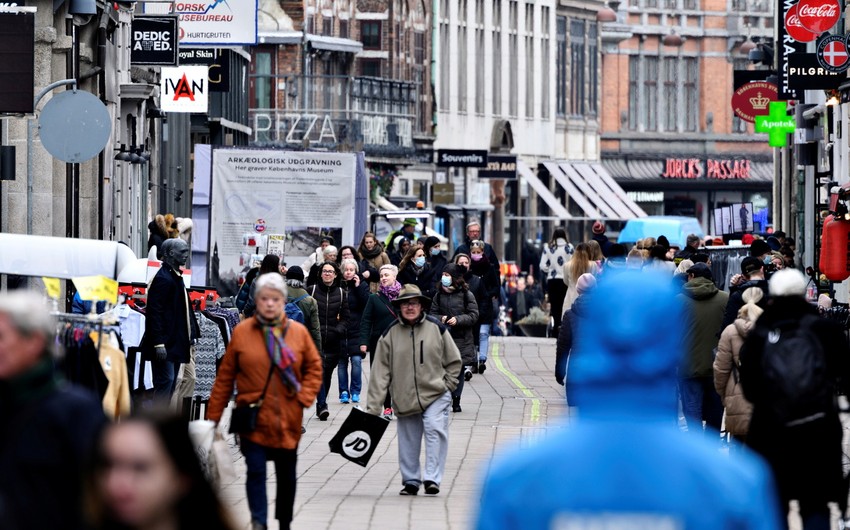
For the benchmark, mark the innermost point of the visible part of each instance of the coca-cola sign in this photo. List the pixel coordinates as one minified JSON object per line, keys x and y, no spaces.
{"x":818,"y":16}
{"x":795,"y":29}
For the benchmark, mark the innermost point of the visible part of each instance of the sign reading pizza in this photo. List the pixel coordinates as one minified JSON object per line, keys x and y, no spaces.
{"x":184,"y":89}
{"x":752,"y":99}
{"x":832,"y":53}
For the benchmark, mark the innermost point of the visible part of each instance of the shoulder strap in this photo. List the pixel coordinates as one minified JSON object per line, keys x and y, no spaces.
{"x":271,"y":368}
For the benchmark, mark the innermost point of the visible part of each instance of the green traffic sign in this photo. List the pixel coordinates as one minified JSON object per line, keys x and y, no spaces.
{"x":777,"y":124}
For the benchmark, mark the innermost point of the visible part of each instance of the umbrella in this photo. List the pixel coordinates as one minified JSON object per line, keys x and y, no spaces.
{"x":676,"y":228}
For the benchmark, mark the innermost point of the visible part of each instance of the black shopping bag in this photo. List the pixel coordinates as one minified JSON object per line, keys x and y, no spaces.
{"x":359,"y":435}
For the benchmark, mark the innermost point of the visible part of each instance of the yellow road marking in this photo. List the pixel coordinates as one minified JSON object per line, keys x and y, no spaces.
{"x":535,"y":402}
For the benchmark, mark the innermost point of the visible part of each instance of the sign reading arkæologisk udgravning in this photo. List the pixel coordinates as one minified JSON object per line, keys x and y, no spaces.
{"x":184,"y":89}
{"x":153,"y":40}
{"x":499,"y":167}
{"x":461,"y":158}
{"x":218,"y":62}
{"x":299,"y":194}
{"x":212,"y":22}
{"x":712,"y":168}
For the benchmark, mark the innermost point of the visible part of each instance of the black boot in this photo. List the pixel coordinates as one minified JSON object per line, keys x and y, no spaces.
{"x":456,"y":404}
{"x":482,"y":366}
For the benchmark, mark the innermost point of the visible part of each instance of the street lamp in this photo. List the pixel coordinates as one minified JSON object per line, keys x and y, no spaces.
{"x":177,"y":194}
{"x":673,"y":39}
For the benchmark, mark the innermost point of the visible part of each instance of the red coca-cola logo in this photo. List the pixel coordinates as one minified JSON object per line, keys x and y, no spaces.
{"x":818,"y":16}
{"x":795,"y":29}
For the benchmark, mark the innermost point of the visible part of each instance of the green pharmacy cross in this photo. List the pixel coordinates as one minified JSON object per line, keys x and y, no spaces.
{"x":777,"y":124}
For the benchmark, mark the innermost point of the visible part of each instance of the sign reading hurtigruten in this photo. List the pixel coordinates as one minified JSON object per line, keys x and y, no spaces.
{"x":695,"y":168}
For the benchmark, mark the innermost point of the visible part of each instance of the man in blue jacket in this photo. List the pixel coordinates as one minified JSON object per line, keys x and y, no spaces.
{"x":624,"y":463}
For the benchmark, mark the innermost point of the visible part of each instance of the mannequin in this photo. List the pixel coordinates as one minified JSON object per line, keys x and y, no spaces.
{"x":170,"y":326}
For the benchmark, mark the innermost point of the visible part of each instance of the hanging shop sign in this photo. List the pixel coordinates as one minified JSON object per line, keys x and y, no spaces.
{"x":217,"y":61}
{"x":712,"y":168}
{"x":832,"y":54}
{"x":795,"y":28}
{"x":17,"y":66}
{"x":752,"y":100}
{"x":153,"y":41}
{"x":777,"y":124}
{"x":461,"y":158}
{"x":212,"y":22}
{"x":805,"y":73}
{"x":499,"y":167}
{"x":818,"y":16}
{"x":184,"y":89}
{"x":787,"y":47}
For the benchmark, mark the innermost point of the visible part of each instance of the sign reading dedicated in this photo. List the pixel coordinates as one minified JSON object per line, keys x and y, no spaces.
{"x":215,"y":22}
{"x":185,"y":89}
{"x":752,"y":99}
{"x":153,"y":41}
{"x":832,"y":53}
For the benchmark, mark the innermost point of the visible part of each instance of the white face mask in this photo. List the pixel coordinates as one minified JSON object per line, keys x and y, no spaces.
{"x":446,"y":281}
{"x":420,"y":261}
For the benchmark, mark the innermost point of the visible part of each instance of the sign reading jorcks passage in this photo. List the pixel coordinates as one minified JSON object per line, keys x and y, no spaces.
{"x":184,"y":89}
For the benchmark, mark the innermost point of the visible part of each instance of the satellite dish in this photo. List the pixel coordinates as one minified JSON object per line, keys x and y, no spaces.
{"x":74,"y":126}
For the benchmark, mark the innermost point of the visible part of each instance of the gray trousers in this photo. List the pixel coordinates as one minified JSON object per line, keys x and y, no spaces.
{"x":434,"y":424}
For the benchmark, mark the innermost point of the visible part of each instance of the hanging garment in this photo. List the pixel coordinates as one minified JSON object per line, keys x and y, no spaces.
{"x":208,"y":350}
{"x":116,"y":399}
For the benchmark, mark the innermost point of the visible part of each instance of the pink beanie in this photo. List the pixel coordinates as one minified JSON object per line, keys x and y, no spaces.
{"x":585,"y":283}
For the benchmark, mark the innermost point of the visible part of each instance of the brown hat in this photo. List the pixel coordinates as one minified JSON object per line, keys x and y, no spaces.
{"x":598,"y":228}
{"x":409,"y":292}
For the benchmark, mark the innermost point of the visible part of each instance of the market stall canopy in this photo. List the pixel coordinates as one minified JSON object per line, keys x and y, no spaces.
{"x":676,"y":228}
{"x":60,"y":257}
{"x":593,"y":190}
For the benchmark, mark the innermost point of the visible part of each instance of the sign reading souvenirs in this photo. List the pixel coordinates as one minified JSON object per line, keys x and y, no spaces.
{"x":184,"y":89}
{"x":17,"y":70}
{"x":461,"y":158}
{"x":777,"y":124}
{"x":795,"y":29}
{"x":213,"y":22}
{"x":499,"y":167}
{"x":832,"y":53}
{"x":153,"y":41}
{"x":752,"y":99}
{"x":818,"y":16}
{"x":694,"y":168}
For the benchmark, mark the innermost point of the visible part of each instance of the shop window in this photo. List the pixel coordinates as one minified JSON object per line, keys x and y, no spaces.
{"x":370,"y":34}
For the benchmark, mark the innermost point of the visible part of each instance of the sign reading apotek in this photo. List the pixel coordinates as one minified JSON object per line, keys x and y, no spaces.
{"x":778,"y":124}
{"x":184,"y":89}
{"x":461,"y":158}
{"x":499,"y":167}
{"x":153,"y":41}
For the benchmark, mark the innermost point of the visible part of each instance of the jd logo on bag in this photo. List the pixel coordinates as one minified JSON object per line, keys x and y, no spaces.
{"x":358,"y":436}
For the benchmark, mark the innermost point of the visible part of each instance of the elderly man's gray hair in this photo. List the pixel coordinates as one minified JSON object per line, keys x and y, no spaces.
{"x":28,"y":313}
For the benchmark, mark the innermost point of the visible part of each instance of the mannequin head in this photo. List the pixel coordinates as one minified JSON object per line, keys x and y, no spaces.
{"x":175,"y":252}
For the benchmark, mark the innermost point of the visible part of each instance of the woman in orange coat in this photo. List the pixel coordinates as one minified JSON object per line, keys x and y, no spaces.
{"x":266,"y":338}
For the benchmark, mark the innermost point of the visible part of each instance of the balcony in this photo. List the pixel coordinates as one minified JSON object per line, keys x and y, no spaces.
{"x":379,"y":116}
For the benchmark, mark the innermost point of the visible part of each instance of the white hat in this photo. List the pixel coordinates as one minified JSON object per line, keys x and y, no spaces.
{"x":788,"y":282}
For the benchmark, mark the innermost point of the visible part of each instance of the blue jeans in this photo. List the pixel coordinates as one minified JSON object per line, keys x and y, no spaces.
{"x":256,"y":456}
{"x":483,"y":341}
{"x":164,"y":379}
{"x":356,"y":371}
{"x":700,"y":401}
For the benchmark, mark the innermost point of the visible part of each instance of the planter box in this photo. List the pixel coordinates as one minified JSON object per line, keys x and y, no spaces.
{"x":534,"y":330}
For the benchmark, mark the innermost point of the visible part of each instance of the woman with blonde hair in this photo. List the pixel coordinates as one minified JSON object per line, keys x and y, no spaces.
{"x":596,"y":252}
{"x":727,"y":361}
{"x":581,"y":263}
{"x":634,"y":260}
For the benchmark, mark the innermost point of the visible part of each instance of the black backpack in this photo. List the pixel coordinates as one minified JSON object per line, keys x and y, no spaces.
{"x":798,"y":388}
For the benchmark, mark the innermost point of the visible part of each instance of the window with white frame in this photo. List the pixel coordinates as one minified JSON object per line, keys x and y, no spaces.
{"x":497,"y":58}
{"x":529,"y":59}
{"x":544,"y":62}
{"x":461,"y":56}
{"x":592,"y":107}
{"x":738,"y":125}
{"x":650,"y":92}
{"x":663,"y":93}
{"x":513,"y":53}
{"x":561,"y":94}
{"x":577,"y":67}
{"x":691,"y":110}
{"x":445,"y":56}
{"x":479,"y":57}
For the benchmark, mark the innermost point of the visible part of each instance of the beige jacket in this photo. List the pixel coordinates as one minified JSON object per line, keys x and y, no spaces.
{"x":727,"y":378}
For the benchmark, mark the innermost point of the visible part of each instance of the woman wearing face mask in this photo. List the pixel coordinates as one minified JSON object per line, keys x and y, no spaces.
{"x":457,"y":308}
{"x":147,"y":476}
{"x":373,"y":254}
{"x":377,"y":316}
{"x":436,"y":260}
{"x":357,"y":292}
{"x":414,"y":268}
{"x":480,"y":266}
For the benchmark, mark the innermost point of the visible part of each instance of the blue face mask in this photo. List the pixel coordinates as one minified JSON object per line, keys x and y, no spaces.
{"x":768,"y":259}
{"x":435,"y":251}
{"x":420,"y":261}
{"x":446,"y":281}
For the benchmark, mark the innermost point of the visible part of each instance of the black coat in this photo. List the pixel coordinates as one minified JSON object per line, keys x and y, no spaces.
{"x":567,"y":335}
{"x":489,"y":253}
{"x":736,"y":301}
{"x":806,"y":459}
{"x":357,"y":296}
{"x":47,"y":433}
{"x":460,"y":304}
{"x":422,"y":278}
{"x":490,"y":286}
{"x":333,"y":315}
{"x":166,"y":317}
{"x":377,"y":317}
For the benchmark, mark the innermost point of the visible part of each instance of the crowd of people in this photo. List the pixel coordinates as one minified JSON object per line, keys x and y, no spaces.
{"x":425,"y":324}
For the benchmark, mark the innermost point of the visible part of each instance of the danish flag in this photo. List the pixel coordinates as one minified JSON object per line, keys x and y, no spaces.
{"x":835,"y":53}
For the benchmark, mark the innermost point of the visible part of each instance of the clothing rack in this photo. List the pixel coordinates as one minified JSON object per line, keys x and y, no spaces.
{"x":97,"y":320}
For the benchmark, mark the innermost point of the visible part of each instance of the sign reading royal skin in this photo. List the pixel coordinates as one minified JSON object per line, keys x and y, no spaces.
{"x":153,"y":41}
{"x":184,"y":89}
{"x":212,"y":22}
{"x":303,"y":195}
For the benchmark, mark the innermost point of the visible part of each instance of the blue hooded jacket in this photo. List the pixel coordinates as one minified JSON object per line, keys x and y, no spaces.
{"x":624,"y":463}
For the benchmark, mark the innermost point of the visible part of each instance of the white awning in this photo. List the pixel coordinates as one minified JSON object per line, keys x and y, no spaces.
{"x":62,"y":257}
{"x":554,"y":204}
{"x":335,"y":44}
{"x":279,"y":37}
{"x":594,"y":191}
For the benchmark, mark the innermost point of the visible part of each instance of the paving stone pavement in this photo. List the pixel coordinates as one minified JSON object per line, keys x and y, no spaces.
{"x":513,"y":404}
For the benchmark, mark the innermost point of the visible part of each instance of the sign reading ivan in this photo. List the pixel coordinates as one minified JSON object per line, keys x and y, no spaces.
{"x":153,"y":41}
{"x":184,"y":89}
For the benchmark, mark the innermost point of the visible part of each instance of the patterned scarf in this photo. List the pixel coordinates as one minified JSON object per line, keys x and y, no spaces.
{"x":392,"y":291}
{"x":280,"y":354}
